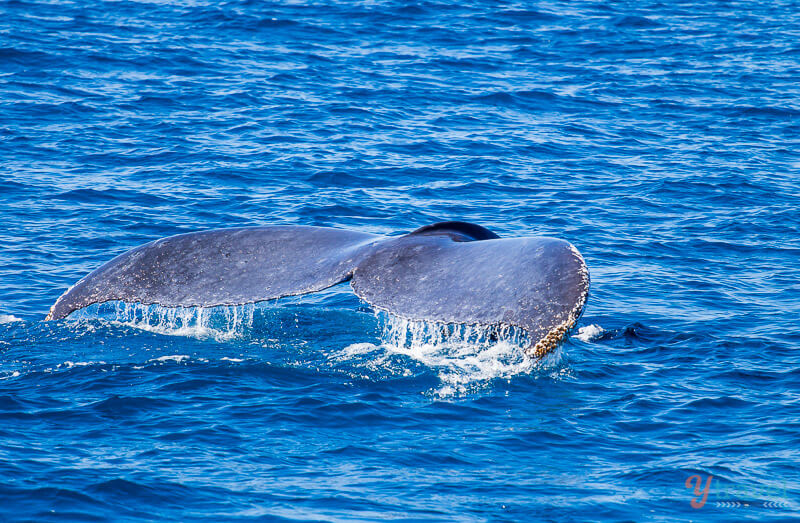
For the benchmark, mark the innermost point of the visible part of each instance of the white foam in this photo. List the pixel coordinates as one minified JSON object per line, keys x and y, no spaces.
{"x":465,"y":357}
{"x":71,"y":364}
{"x":8,"y":375}
{"x":589,"y":332}
{"x":177,"y":358}
{"x":8,"y":318}
{"x":357,"y":349}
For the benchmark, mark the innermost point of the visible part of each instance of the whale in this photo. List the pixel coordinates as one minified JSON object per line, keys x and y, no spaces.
{"x":448,"y":272}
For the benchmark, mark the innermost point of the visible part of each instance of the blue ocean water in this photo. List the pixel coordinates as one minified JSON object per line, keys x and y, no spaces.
{"x":659,"y":138}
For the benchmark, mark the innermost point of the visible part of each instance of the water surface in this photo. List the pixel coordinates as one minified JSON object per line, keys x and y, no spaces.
{"x":659,"y":138}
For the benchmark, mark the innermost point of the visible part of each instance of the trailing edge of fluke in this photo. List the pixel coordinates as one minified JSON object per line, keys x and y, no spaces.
{"x":449,"y":272}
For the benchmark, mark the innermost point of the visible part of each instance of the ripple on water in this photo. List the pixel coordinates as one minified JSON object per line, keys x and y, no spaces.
{"x":657,"y":137}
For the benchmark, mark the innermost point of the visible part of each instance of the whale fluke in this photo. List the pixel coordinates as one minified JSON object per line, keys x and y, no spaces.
{"x":449,"y":272}
{"x":221,"y":267}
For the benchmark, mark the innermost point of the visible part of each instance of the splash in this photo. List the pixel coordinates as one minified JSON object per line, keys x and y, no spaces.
{"x":589,"y":333}
{"x":465,"y":357}
{"x":8,"y":318}
{"x":219,"y":323}
{"x":399,"y":331}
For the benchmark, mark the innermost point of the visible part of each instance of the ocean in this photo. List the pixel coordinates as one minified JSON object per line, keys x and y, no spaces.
{"x":661,"y":139}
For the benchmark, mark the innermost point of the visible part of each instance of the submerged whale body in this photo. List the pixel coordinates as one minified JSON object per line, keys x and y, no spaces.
{"x":449,"y":272}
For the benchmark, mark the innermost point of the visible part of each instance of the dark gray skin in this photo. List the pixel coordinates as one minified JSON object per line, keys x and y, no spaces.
{"x":450,"y":272}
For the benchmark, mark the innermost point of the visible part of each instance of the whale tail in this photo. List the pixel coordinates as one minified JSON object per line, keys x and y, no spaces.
{"x":450,"y":272}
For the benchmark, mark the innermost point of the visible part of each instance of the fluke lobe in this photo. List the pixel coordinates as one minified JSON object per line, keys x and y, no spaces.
{"x":449,"y":272}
